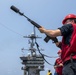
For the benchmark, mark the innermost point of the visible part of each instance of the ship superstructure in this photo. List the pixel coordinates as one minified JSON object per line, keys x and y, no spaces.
{"x":33,"y":62}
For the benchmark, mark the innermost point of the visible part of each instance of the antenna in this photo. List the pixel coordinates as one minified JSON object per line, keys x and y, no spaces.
{"x":34,"y":32}
{"x":32,"y":41}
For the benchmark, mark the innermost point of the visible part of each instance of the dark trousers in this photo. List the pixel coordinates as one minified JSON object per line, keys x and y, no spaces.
{"x":69,"y":68}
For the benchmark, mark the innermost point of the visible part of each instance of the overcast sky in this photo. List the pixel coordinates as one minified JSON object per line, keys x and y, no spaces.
{"x":48,"y":13}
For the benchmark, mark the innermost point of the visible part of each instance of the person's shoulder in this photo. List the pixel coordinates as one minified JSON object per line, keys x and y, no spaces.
{"x":67,"y":25}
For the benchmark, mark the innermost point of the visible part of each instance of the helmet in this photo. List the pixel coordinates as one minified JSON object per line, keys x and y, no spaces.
{"x":69,"y":16}
{"x":60,"y":51}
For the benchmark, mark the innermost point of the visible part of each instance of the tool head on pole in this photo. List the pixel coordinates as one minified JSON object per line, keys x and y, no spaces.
{"x":14,"y":9}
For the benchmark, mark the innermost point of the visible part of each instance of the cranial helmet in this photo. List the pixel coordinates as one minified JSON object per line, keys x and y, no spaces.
{"x":69,"y":16}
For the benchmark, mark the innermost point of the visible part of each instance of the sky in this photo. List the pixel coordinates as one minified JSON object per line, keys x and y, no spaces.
{"x":47,"y":13}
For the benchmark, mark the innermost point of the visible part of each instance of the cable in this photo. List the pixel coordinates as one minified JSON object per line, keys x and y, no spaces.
{"x":10,"y":29}
{"x":42,"y":54}
{"x":50,"y":56}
